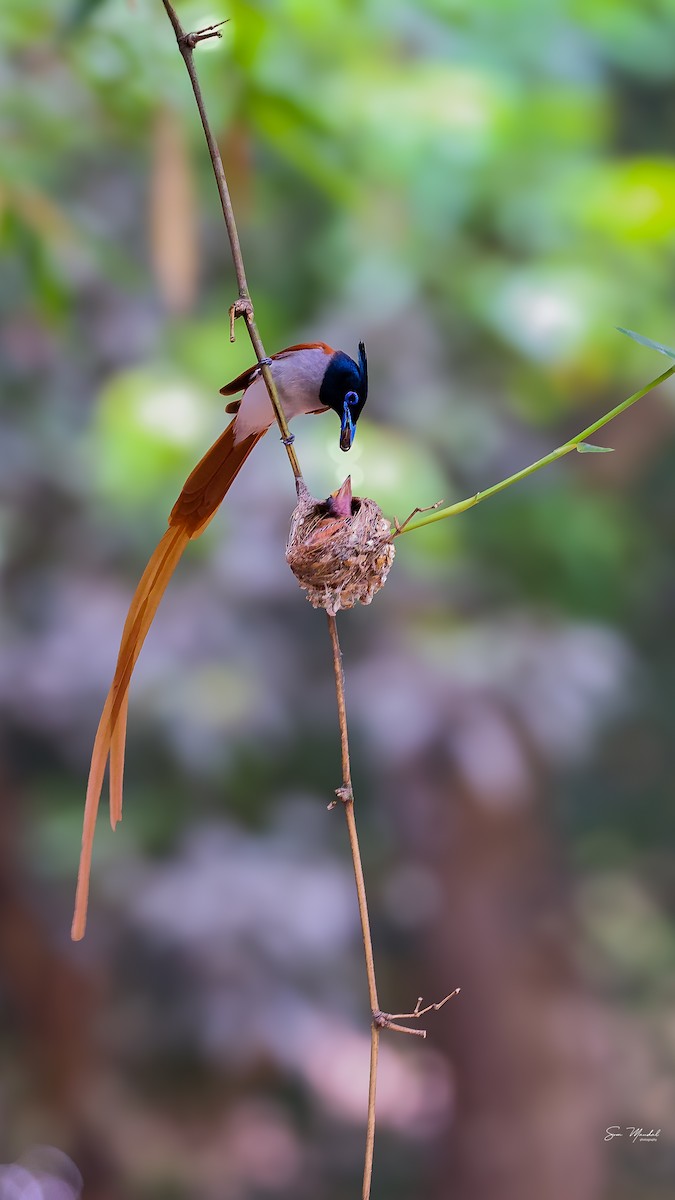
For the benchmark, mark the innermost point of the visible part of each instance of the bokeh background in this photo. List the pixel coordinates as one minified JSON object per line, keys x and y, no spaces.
{"x":482,"y":191}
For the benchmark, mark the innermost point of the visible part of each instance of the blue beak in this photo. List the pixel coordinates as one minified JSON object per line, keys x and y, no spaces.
{"x":347,"y":427}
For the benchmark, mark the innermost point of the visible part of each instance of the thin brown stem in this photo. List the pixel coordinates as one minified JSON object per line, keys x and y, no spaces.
{"x":370,"y":1127}
{"x":346,"y":794}
{"x":243,"y":306}
{"x":363,"y":907}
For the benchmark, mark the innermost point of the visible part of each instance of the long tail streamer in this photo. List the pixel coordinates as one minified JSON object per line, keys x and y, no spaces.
{"x":198,"y":502}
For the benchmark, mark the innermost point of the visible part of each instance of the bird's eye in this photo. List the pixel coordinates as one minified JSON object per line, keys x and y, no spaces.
{"x":352,"y":398}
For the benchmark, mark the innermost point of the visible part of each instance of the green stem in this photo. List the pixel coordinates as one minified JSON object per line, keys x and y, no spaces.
{"x":471,"y":501}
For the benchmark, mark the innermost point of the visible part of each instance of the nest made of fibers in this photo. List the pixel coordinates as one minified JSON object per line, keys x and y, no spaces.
{"x":339,"y":561}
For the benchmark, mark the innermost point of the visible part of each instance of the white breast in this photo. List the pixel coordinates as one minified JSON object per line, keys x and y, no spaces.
{"x":298,"y":378}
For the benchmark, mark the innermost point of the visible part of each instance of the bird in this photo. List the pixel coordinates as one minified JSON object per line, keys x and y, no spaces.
{"x":310,"y":377}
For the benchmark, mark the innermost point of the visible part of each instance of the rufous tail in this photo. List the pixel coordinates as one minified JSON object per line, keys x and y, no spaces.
{"x":198,"y":502}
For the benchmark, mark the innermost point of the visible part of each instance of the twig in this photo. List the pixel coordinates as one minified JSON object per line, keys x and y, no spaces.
{"x":398,"y":527}
{"x":573,"y":444}
{"x":388,"y":1020}
{"x":202,"y":35}
{"x":243,"y":306}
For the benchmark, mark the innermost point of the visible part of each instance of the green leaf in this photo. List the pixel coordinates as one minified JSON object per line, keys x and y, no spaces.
{"x":588,"y":448}
{"x":645,"y":341}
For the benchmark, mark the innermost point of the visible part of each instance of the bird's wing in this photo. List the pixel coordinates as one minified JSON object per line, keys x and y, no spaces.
{"x":247,"y":377}
{"x":206,"y":486}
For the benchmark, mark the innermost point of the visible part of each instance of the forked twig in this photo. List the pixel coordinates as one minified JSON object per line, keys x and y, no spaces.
{"x":202,"y":35}
{"x":388,"y":1020}
{"x":398,"y":528}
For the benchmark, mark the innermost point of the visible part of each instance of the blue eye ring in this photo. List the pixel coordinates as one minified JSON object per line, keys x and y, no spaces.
{"x":352,"y":398}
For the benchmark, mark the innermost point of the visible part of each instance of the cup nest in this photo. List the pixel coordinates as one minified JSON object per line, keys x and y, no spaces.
{"x":339,"y":560}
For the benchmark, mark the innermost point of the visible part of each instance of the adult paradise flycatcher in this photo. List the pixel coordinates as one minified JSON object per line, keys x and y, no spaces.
{"x":310,"y":378}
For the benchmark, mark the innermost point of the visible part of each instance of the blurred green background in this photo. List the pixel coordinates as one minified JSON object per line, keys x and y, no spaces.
{"x":482,"y":192}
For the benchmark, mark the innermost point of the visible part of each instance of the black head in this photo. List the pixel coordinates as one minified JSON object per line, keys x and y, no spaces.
{"x":345,"y":390}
